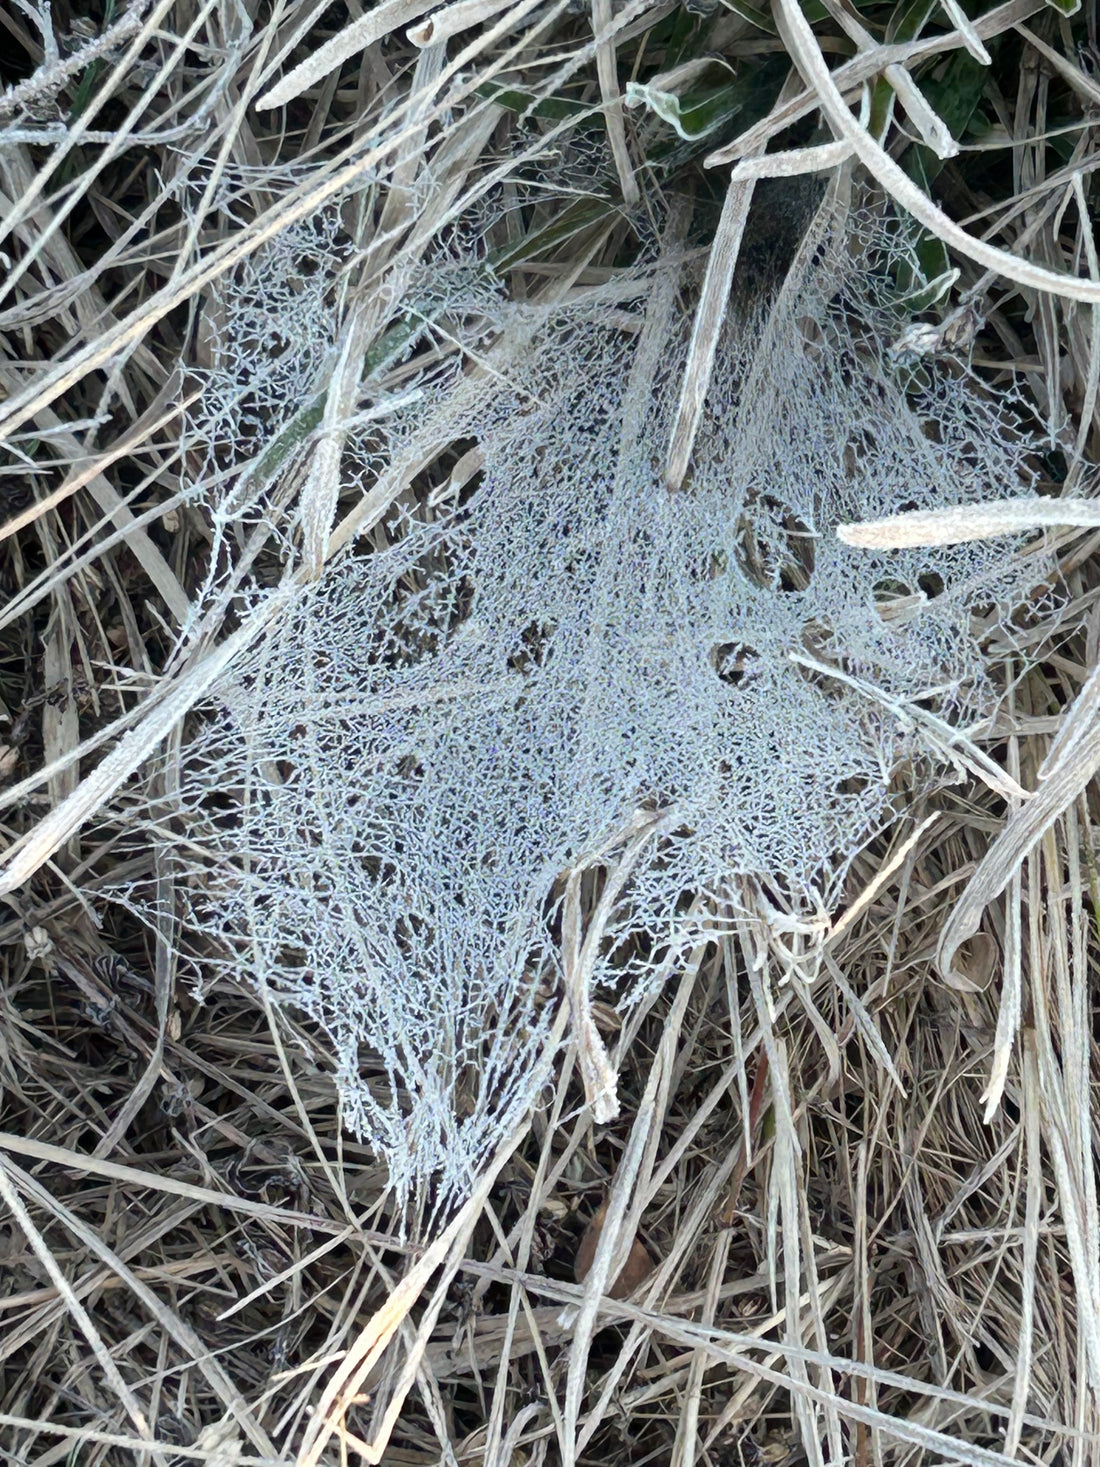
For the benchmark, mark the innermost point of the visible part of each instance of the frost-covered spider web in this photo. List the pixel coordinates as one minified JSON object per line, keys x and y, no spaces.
{"x":396,"y":780}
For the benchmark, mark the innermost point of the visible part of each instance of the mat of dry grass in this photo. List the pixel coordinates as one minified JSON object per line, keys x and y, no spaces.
{"x":860,"y":1154}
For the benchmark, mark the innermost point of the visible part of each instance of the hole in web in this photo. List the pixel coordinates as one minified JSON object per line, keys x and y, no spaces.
{"x":858,"y":449}
{"x":931,"y":584}
{"x":896,"y":602}
{"x":535,"y":644}
{"x":833,"y":689}
{"x":453,"y":480}
{"x":855,"y":784}
{"x":428,"y":610}
{"x":775,"y":548}
{"x":733,"y":662}
{"x":710,"y":567}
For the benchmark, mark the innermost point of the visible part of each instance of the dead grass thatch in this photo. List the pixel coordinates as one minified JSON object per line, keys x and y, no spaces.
{"x":866,"y":1182}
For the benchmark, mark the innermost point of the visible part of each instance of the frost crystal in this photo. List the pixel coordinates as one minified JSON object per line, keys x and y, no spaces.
{"x":399,"y":776}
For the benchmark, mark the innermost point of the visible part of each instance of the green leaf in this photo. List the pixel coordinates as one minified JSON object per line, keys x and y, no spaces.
{"x":551,"y":109}
{"x":694,"y":115}
{"x":291,"y":436}
{"x":813,"y":10}
{"x":881,"y":94}
{"x":922,"y":288}
{"x":759,"y":18}
{"x":956,"y":90}
{"x":578,"y":216}
{"x":747,"y":97}
{"x":685,"y":39}
{"x":909,"y":20}
{"x":956,"y":94}
{"x":86,"y":87}
{"x":924,"y":297}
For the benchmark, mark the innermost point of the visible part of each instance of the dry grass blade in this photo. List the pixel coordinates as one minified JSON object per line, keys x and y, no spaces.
{"x":709,"y":316}
{"x":24,"y":858}
{"x":446,"y":1250}
{"x":1067,"y":770}
{"x":597,"y":1073}
{"x":78,"y":1161}
{"x":1083,"y":84}
{"x":1066,"y":1123}
{"x":966,"y":28}
{"x":356,"y":37}
{"x":175,"y":1327}
{"x":963,"y":522}
{"x":347,"y":171}
{"x":50,"y":76}
{"x":72,"y":1304}
{"x":321,"y":490}
{"x":819,"y":159}
{"x":607,"y":70}
{"x":1014,"y":1425}
{"x":931,"y":128}
{"x":92,"y":475}
{"x":617,"y":1233}
{"x":213,"y":1457}
{"x":460,"y":16}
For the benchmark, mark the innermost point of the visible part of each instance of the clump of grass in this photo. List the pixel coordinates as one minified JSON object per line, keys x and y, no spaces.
{"x":867,"y":1179}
